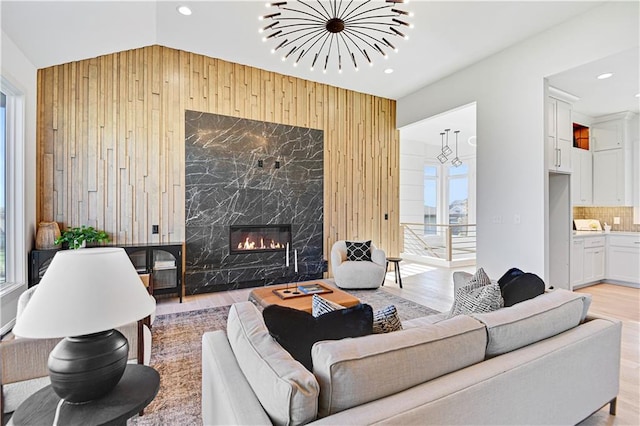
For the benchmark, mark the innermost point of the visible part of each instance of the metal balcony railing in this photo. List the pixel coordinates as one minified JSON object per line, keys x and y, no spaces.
{"x":443,"y":242}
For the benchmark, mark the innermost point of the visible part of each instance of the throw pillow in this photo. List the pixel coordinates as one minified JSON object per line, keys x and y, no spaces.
{"x":480,"y":295}
{"x":296,"y":331}
{"x":523,"y":287}
{"x":386,"y":320}
{"x":508,"y":276}
{"x":479,"y":279}
{"x":320,"y":306}
{"x":359,"y":250}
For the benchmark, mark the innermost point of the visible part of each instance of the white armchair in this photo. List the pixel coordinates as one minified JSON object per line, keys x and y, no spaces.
{"x":357,"y":274}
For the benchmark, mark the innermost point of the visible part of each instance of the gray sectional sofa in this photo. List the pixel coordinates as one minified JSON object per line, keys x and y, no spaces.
{"x":542,"y":361}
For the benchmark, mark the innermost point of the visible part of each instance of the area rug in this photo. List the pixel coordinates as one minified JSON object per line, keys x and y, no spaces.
{"x":177,"y":356}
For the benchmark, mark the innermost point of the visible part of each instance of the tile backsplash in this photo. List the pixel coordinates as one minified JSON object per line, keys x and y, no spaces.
{"x":606,"y":214}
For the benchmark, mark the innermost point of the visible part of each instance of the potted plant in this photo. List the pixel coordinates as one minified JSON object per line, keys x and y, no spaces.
{"x":78,"y":237}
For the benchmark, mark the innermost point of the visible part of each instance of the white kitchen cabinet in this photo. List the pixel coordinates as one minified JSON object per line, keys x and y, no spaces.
{"x":613,"y":139}
{"x":588,"y":259}
{"x":593,"y":264}
{"x":577,"y":262}
{"x":594,"y":259}
{"x":559,"y":135}
{"x":623,"y":258}
{"x":609,"y":178}
{"x":581,"y":177}
{"x":609,"y":136}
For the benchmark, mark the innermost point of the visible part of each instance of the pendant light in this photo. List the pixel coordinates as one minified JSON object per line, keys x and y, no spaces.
{"x":442,"y":156}
{"x":456,"y":161}
{"x":446,"y":150}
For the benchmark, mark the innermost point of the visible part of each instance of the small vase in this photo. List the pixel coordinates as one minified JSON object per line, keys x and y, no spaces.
{"x":46,"y":235}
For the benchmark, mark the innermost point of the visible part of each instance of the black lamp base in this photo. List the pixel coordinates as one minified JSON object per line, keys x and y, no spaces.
{"x":88,"y":367}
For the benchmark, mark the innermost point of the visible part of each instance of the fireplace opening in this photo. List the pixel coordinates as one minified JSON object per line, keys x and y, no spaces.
{"x":258,"y":238}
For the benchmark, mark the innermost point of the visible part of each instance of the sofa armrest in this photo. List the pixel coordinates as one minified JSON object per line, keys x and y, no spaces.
{"x":24,"y":359}
{"x":227,"y":397}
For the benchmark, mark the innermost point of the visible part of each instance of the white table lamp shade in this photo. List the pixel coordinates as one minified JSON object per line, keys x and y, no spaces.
{"x":85,"y":291}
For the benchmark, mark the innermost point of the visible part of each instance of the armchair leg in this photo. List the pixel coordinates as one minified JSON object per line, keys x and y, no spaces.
{"x":613,"y":405}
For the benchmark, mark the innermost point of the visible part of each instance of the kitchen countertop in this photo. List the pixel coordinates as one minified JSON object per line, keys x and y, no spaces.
{"x":601,"y":233}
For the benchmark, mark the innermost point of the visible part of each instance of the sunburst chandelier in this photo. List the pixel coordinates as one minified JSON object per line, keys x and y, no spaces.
{"x":330,"y":33}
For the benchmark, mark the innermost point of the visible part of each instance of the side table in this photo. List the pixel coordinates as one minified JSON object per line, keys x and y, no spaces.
{"x":396,"y":268}
{"x":137,"y":388}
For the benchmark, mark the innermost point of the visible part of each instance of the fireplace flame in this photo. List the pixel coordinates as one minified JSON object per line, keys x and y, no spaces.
{"x":248,"y":244}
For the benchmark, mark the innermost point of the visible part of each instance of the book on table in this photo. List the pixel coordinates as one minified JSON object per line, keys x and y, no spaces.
{"x":312,"y":289}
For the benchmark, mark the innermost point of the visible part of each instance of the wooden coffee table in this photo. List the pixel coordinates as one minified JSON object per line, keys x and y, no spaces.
{"x":264,"y":296}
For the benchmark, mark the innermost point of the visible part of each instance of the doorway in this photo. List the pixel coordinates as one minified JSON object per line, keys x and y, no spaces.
{"x":438,"y":188}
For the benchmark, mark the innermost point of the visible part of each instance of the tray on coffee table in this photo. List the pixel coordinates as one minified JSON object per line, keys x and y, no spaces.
{"x":265,"y":296}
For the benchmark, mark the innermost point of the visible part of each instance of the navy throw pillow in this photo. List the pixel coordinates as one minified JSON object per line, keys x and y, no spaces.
{"x":508,"y":276}
{"x":296,"y":331}
{"x":359,"y":250}
{"x":523,"y":287}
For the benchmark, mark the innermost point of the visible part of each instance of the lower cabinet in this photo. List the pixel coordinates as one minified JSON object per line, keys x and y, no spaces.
{"x":593,"y":264}
{"x":577,"y":262}
{"x":623,"y":258}
{"x":587,"y":260}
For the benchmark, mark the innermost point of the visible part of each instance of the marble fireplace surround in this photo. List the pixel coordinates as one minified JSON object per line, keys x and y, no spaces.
{"x":248,"y":172}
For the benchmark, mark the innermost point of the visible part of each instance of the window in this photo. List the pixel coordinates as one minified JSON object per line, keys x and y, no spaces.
{"x":13,"y":244}
{"x":3,"y":198}
{"x":449,"y":197}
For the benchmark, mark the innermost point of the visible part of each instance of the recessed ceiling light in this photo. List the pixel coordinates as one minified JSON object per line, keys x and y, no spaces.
{"x":388,"y":70}
{"x":637,"y":95}
{"x":184,"y":10}
{"x":605,"y":75}
{"x":472,"y":140}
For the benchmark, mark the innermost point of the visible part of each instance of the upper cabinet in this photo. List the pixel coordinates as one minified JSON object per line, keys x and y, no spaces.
{"x":607,"y":136}
{"x":581,"y":177}
{"x":614,"y":141}
{"x":559,"y":135}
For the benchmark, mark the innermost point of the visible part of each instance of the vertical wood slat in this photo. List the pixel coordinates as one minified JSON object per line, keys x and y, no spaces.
{"x":113,"y":127}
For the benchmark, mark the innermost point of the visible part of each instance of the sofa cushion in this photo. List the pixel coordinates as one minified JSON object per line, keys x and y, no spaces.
{"x":386,"y":320}
{"x":523,"y":287}
{"x":460,"y":279}
{"x":297,"y":330}
{"x":509,"y":275}
{"x":479,"y":295}
{"x":352,"y":372}
{"x":320,"y":306}
{"x":533,"y":320}
{"x":286,"y":389}
{"x":359,"y":251}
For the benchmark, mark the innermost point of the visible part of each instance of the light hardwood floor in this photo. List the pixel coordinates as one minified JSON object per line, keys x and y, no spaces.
{"x":433,"y":287}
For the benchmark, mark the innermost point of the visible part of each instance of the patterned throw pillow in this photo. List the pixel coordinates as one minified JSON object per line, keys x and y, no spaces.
{"x":479,"y":295}
{"x":359,"y":250}
{"x":320,"y":305}
{"x":386,"y":320}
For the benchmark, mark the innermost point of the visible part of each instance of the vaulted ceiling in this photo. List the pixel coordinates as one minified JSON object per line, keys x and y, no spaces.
{"x":447,"y":35}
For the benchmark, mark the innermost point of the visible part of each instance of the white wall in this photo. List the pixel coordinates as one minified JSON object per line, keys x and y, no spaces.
{"x":411,"y":181}
{"x":18,"y":73}
{"x":509,"y":91}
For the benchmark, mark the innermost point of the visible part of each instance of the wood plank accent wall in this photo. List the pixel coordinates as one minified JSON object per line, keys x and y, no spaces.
{"x":110,"y":142}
